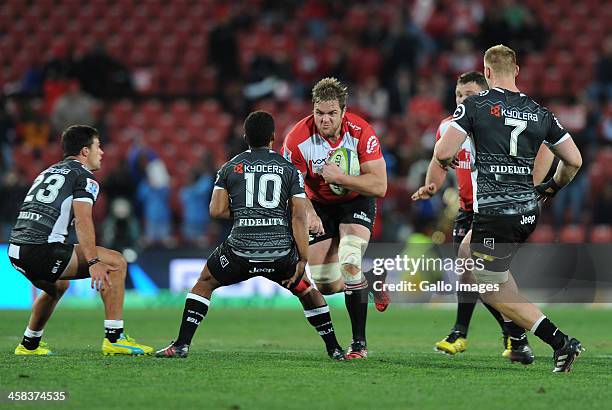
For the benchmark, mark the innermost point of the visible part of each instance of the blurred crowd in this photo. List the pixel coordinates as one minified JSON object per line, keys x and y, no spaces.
{"x":165,"y":135}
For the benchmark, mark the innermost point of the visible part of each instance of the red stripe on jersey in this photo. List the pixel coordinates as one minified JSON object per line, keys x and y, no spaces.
{"x":463,"y":171}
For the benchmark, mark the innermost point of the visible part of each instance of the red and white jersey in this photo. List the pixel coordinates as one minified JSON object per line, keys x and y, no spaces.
{"x":308,"y":151}
{"x":464,"y":170}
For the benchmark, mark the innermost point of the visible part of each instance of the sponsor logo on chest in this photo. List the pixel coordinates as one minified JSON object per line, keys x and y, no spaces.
{"x":316,"y":150}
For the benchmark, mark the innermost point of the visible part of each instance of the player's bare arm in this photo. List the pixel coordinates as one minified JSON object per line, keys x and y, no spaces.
{"x":570,"y":161}
{"x":299,"y":225}
{"x":315,"y":225}
{"x":220,"y":204}
{"x":542,"y":164}
{"x":83,"y":222}
{"x":371,"y":182}
{"x":433,"y":181}
{"x":447,"y":147}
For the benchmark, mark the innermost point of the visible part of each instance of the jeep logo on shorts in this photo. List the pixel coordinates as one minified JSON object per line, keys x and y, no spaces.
{"x":527,"y":219}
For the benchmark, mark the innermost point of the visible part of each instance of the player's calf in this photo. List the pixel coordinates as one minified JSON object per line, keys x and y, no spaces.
{"x":356,"y":301}
{"x":318,"y":315}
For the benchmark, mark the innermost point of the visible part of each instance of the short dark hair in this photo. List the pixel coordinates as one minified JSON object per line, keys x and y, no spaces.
{"x":75,"y":137}
{"x":473,"y":77}
{"x":258,"y":129}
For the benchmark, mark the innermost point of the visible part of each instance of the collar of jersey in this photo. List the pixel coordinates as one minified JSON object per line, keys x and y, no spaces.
{"x":336,"y":145}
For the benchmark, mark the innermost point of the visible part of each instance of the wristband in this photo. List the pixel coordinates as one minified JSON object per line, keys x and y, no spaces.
{"x":93,"y":262}
{"x":543,"y":189}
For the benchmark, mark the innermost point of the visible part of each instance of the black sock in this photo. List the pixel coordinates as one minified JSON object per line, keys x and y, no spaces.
{"x":517,"y":334}
{"x":321,"y":320}
{"x":196,"y":307}
{"x":112,"y":334}
{"x":371,"y":278}
{"x":496,"y":315}
{"x":465,"y":309}
{"x":549,"y":333}
{"x":30,"y":342}
{"x":356,"y":301}
{"x":113,"y":328}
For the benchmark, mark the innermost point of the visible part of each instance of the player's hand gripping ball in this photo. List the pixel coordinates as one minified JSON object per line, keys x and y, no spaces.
{"x":348,"y":162}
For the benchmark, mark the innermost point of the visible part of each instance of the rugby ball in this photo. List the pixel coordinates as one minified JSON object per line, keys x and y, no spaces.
{"x":348,"y":161}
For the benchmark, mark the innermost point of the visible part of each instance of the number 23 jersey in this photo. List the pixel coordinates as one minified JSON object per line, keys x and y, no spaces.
{"x":46,"y":211}
{"x":506,"y":130}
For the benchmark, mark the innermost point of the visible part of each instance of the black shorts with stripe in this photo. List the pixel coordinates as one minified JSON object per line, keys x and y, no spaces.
{"x":229,"y":268}
{"x":497,"y":238}
{"x":37,"y":262}
{"x":360,"y":210}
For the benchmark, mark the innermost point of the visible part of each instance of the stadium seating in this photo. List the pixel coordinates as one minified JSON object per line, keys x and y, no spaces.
{"x":174,"y":59}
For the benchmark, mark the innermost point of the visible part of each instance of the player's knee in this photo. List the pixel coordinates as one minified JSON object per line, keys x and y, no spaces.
{"x":301,"y":289}
{"x":464,"y":251}
{"x":331,"y":288}
{"x":325,"y":274}
{"x":484,"y":276}
{"x":351,"y":273}
{"x":61,"y":286}
{"x":350,"y":252}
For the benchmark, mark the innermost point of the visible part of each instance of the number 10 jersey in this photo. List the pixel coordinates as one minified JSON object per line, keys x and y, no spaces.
{"x":260,"y":183}
{"x":46,"y":211}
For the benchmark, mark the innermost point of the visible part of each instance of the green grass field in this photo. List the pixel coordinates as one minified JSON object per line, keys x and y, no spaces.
{"x":256,"y":358}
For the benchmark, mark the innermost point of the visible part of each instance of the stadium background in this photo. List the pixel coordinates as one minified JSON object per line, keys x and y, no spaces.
{"x":168,"y":85}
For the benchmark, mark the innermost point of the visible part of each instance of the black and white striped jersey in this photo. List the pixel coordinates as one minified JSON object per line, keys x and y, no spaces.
{"x":506,"y":130}
{"x":46,"y":211}
{"x":260,"y":183}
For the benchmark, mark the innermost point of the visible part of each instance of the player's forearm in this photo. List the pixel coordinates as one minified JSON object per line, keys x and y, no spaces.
{"x":299,"y":223}
{"x":366,"y":184}
{"x":444,"y":156}
{"x":565,"y":173}
{"x":542,"y":164}
{"x":310,"y":211}
{"x":435,"y":174}
{"x":86,"y":235}
{"x":221,"y":214}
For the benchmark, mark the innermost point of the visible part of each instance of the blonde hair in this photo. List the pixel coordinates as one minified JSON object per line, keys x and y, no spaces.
{"x":501,"y":60}
{"x":330,"y":89}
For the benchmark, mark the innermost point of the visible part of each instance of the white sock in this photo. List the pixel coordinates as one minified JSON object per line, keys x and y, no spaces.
{"x":32,"y":333}
{"x":113,"y":324}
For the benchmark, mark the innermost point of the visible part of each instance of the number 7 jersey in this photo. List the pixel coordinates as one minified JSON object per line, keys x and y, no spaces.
{"x":506,"y":130}
{"x":46,"y":211}
{"x":260,"y":183}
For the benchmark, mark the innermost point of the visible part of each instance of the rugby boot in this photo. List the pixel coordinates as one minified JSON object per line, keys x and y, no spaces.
{"x":381,"y":297}
{"x":174,"y":350}
{"x":124,"y":345}
{"x":454,"y":343}
{"x":507,"y":345}
{"x":564,"y":357}
{"x":337,"y":354}
{"x":41,"y":350}
{"x":357,"y":350}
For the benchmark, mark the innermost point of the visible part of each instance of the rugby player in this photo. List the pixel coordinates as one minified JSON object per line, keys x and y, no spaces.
{"x":506,"y":128}
{"x":264,"y":195}
{"x":63,"y":192}
{"x":515,"y":340}
{"x":340,"y":225}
